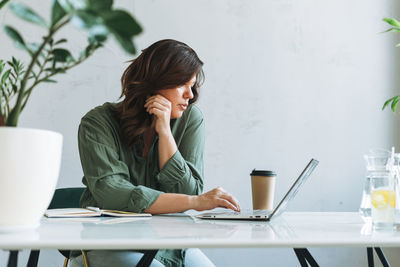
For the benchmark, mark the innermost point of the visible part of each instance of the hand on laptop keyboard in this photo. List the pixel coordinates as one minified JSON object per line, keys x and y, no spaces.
{"x":216,"y":198}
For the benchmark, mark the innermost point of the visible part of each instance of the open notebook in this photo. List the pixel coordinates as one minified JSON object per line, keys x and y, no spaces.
{"x":90,"y":212}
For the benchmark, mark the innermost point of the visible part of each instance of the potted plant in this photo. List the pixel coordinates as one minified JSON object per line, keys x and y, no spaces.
{"x":395,"y":27}
{"x":30,"y":158}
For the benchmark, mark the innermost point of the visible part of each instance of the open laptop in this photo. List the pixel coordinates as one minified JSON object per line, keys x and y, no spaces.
{"x":264,"y":215}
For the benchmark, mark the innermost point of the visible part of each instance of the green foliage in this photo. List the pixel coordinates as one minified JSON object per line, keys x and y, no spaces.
{"x":9,"y":79}
{"x":3,"y":3}
{"x":51,"y":57}
{"x":394,"y":101}
{"x":57,"y":13}
{"x":27,"y":14}
{"x":14,"y":34}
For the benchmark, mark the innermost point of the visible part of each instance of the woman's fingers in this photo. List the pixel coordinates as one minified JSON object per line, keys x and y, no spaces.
{"x":155,"y":111}
{"x":228,"y":196}
{"x":231,"y":199}
{"x":225,"y":199}
{"x":160,"y":107}
{"x":158,"y":99}
{"x":156,"y":105}
{"x":226,"y":204}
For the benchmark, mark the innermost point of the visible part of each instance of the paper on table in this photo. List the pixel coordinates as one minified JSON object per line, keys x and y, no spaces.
{"x":90,"y":212}
{"x":71,"y":212}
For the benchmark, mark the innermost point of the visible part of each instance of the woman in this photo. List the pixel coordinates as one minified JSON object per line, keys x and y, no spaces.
{"x":145,"y":154}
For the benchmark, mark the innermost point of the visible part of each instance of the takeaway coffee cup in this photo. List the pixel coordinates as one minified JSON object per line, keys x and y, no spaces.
{"x":263,"y":189}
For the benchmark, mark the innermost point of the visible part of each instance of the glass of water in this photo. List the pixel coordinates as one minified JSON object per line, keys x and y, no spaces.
{"x":383,"y":200}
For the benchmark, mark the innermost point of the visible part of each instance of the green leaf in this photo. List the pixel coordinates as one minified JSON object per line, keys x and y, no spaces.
{"x":57,"y":13}
{"x":121,"y":22}
{"x":98,"y":33}
{"x":27,"y":14}
{"x":123,"y":26}
{"x":33,"y":46}
{"x":60,"y":70}
{"x":394,"y":103}
{"x":86,"y":19}
{"x":125,"y":43}
{"x":15,"y":64}
{"x":82,"y":54}
{"x":62,"y":55}
{"x":3,"y":3}
{"x":60,"y":41}
{"x":49,"y":81}
{"x":387,"y":102}
{"x":65,"y":4}
{"x":13,"y":34}
{"x":33,"y":76}
{"x":392,"y":30}
{"x":78,"y":4}
{"x":99,"y":5}
{"x":5,"y":76}
{"x":392,"y":22}
{"x":97,"y":39}
{"x":70,"y":5}
{"x":37,"y":62}
{"x":1,"y":66}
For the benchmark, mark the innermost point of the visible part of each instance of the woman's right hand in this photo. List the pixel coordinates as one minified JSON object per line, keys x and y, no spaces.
{"x":216,"y":198}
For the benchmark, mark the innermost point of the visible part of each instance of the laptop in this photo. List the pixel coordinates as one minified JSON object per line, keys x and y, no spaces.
{"x":264,"y":215}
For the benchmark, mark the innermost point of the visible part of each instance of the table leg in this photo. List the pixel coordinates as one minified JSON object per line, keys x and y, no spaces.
{"x":305,"y":258}
{"x":370,"y":255}
{"x":147,"y":258}
{"x":310,"y":258}
{"x":33,"y":258}
{"x":300,"y":257}
{"x":382,"y":257}
{"x":13,"y":259}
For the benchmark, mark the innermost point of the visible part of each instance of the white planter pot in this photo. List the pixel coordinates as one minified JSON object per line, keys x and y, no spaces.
{"x":30,"y":162}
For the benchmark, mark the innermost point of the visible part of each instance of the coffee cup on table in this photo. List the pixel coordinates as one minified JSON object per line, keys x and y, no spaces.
{"x":263,"y":189}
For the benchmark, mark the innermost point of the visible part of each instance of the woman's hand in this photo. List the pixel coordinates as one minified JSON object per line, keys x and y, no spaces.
{"x":215,"y":198}
{"x":160,"y":107}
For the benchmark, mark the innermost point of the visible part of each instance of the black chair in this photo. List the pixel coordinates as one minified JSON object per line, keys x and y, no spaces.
{"x":69,"y":198}
{"x":62,"y":198}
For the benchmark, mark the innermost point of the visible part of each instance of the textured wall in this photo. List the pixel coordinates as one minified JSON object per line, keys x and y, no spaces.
{"x":285,"y":81}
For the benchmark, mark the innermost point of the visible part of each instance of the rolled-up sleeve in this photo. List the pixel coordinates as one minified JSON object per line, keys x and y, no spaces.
{"x":106,"y":176}
{"x":184,"y":171}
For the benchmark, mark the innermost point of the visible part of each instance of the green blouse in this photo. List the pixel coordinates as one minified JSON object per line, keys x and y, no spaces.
{"x":119,"y":178}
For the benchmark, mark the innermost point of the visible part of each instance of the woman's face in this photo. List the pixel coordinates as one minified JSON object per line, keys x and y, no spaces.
{"x":179,"y":97}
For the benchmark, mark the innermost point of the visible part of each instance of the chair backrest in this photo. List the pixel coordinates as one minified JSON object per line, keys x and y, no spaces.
{"x":66,"y":198}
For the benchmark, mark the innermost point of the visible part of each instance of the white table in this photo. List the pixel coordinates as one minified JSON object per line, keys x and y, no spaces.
{"x":292,"y":229}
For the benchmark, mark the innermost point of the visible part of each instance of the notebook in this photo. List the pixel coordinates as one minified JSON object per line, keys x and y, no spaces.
{"x":265,"y":215}
{"x":90,"y":212}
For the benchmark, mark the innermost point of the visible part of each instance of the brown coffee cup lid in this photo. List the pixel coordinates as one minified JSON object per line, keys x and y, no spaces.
{"x":262,"y":173}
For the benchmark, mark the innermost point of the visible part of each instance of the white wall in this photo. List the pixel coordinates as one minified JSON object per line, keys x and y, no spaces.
{"x":285,"y":81}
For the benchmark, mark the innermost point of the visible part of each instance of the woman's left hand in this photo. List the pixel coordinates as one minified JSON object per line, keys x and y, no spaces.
{"x":160,"y":107}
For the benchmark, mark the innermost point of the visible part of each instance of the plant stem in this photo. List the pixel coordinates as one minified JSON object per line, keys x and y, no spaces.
{"x":12,"y":119}
{"x":29,"y":91}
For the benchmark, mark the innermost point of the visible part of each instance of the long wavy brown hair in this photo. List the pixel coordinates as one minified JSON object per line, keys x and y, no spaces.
{"x":165,"y":64}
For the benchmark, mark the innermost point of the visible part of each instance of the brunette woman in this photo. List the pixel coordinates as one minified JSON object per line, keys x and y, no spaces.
{"x":145,"y":153}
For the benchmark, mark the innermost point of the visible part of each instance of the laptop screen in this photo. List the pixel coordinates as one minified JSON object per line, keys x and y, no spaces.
{"x":295,"y":187}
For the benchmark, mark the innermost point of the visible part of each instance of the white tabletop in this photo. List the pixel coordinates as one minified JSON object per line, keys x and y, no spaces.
{"x":293,"y":229}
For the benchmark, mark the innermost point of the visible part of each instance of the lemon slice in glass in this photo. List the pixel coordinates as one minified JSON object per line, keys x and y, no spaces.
{"x":381,"y":198}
